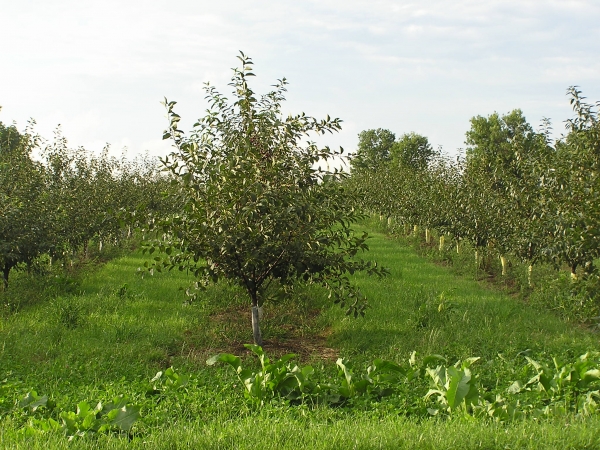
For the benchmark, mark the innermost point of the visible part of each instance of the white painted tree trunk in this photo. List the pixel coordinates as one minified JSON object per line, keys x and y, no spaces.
{"x":427,"y":236}
{"x":256,"y":313}
{"x":529,"y":273}
{"x":503,"y":262}
{"x":442,"y":240}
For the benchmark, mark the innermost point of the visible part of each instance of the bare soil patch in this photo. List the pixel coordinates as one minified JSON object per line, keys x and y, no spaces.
{"x":286,"y":329}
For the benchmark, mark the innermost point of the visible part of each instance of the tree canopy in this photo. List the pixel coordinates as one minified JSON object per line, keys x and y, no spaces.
{"x":374,"y":147}
{"x":260,"y":209}
{"x":413,"y":151}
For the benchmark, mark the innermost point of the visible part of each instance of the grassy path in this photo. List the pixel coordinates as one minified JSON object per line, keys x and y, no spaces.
{"x":118,"y":329}
{"x":422,"y":306}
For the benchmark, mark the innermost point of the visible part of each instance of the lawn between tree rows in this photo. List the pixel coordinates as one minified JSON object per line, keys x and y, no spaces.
{"x":109,"y":331}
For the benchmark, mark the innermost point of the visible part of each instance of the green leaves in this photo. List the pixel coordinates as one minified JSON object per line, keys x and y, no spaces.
{"x":453,"y":389}
{"x":116,"y":416}
{"x":227,"y":358}
{"x":124,"y":417}
{"x":423,"y":386}
{"x":32,"y":401}
{"x":454,"y":386}
{"x":278,"y":378}
{"x":254,"y":207}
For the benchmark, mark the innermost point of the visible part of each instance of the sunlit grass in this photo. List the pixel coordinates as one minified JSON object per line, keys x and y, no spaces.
{"x":422,"y":306}
{"x":119,"y":328}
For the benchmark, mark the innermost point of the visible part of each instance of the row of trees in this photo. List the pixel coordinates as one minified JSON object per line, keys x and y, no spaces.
{"x":57,"y":202}
{"x":248,"y":201}
{"x":515,"y":190}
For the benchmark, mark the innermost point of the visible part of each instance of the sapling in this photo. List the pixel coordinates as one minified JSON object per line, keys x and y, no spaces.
{"x":258,"y":208}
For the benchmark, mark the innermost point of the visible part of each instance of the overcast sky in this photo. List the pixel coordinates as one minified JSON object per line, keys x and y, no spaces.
{"x":101,"y":68}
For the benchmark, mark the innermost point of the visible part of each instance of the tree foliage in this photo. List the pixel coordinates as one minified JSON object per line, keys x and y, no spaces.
{"x":61,"y":201}
{"x":575,"y":185}
{"x":374,"y":149}
{"x":260,"y":208}
{"x":25,"y":232}
{"x":413,"y":151}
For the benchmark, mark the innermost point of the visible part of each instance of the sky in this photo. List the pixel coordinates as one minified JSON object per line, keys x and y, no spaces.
{"x":100,"y":69}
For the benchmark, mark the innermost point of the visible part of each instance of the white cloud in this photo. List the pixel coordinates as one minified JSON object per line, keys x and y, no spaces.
{"x":101,"y":68}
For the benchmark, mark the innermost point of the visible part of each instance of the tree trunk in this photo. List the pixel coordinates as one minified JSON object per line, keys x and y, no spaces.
{"x":529,"y":273}
{"x":427,"y":236}
{"x":503,"y":262}
{"x":5,"y":272}
{"x":389,"y":221}
{"x":457,"y":247}
{"x":416,"y":229}
{"x":256,"y":313}
{"x":442,"y":240}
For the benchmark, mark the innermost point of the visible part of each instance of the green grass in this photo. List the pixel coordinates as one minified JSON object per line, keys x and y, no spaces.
{"x":422,"y":306}
{"x":277,"y":429}
{"x":111,"y":333}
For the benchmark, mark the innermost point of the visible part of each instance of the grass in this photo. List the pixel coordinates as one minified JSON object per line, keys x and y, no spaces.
{"x":112,"y":330}
{"x":276,"y":430}
{"x":422,"y":306}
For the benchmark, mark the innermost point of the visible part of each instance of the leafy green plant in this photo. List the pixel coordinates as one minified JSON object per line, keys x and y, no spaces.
{"x":32,"y":401}
{"x":453,"y":387}
{"x":498,"y":408}
{"x":434,"y":311}
{"x":116,"y":416}
{"x":281,"y":379}
{"x":167,"y":380}
{"x":564,"y":387}
{"x":278,"y":378}
{"x":380,"y":380}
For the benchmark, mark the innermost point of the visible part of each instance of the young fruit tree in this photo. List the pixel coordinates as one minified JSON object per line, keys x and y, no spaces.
{"x":260,"y":208}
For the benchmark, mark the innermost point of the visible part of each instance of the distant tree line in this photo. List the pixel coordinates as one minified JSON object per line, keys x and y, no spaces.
{"x":515,"y":192}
